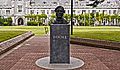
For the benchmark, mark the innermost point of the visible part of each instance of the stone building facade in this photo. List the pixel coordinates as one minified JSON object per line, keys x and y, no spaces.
{"x":17,"y":9}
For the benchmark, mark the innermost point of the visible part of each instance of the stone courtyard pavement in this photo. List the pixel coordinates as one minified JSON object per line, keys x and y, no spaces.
{"x":24,"y":57}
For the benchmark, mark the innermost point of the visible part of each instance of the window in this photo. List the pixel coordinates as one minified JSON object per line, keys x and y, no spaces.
{"x":73,"y":11}
{"x":52,"y":11}
{"x":108,"y":2}
{"x":54,"y":2}
{"x":37,"y":12}
{"x":83,"y":11}
{"x":114,"y":11}
{"x":19,"y":8}
{"x":109,"y":11}
{"x":43,"y":11}
{"x":76,"y":3}
{"x":19,"y":0}
{"x":104,"y":11}
{"x":81,"y":0}
{"x":78,"y":11}
{"x":47,"y":11}
{"x":68,"y":11}
{"x":31,"y":11}
{"x":7,"y":12}
{"x":66,"y":3}
{"x":92,"y":0}
{"x":93,"y":11}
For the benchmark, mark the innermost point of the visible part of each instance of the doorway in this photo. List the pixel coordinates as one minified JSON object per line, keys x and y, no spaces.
{"x":20,"y":21}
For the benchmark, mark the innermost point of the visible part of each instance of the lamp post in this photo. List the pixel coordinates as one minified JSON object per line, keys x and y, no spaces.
{"x":71,"y":17}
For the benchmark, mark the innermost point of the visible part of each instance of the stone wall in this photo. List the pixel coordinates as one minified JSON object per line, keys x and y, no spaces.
{"x":11,"y":43}
{"x":96,"y":43}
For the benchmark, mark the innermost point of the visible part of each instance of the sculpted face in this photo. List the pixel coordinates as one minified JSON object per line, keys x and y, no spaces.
{"x":59,"y":13}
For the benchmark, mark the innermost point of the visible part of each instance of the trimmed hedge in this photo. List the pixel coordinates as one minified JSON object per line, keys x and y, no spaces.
{"x":6,"y":23}
{"x":34,"y":23}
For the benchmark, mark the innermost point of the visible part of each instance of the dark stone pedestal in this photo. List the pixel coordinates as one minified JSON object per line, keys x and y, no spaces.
{"x":59,"y":43}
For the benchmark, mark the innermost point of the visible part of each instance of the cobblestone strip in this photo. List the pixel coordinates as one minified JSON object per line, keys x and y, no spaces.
{"x":9,"y":44}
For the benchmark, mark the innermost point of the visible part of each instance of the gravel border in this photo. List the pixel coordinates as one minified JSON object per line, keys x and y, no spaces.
{"x":96,"y":43}
{"x":11,"y":43}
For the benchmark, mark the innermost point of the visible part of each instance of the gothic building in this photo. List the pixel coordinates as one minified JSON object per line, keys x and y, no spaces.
{"x":17,"y":9}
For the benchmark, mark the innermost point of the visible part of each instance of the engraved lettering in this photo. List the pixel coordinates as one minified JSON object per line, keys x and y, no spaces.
{"x":59,"y":37}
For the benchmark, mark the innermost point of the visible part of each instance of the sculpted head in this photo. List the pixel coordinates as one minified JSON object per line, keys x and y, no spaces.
{"x":59,"y":11}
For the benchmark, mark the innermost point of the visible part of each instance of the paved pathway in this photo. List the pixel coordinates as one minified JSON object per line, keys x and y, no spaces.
{"x":24,"y":57}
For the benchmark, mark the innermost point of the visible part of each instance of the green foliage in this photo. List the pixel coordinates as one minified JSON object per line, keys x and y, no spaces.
{"x":118,"y":18}
{"x":6,"y":24}
{"x":86,"y":19}
{"x":9,"y":20}
{"x":1,"y":21}
{"x":43,"y":16}
{"x":67,"y":17}
{"x":32,"y":23}
{"x":53,"y":16}
{"x":38,"y":19}
{"x":50,"y":21}
{"x":39,"y":23}
{"x":6,"y":21}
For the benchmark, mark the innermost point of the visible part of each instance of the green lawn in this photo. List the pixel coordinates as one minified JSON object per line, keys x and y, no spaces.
{"x":111,"y":33}
{"x":5,"y":35}
{"x":100,"y":32}
{"x":37,"y":30}
{"x":7,"y":32}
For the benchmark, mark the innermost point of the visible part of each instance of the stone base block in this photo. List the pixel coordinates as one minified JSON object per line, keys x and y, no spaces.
{"x":45,"y":63}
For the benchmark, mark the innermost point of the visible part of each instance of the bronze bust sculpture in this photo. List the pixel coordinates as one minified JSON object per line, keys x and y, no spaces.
{"x":59,"y":15}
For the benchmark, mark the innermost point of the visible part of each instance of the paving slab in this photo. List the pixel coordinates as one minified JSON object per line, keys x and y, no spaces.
{"x":24,"y":57}
{"x":28,"y":62}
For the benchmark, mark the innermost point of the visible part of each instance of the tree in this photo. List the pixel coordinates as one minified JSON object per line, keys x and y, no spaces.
{"x":53,"y":16}
{"x":113,"y":17}
{"x":1,"y":21}
{"x":43,"y":17}
{"x":92,"y":18}
{"x":67,"y":17}
{"x":80,"y":19}
{"x":9,"y":20}
{"x":97,"y":16}
{"x":118,"y":19}
{"x":101,"y":16}
{"x":51,"y":20}
{"x":39,"y":18}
